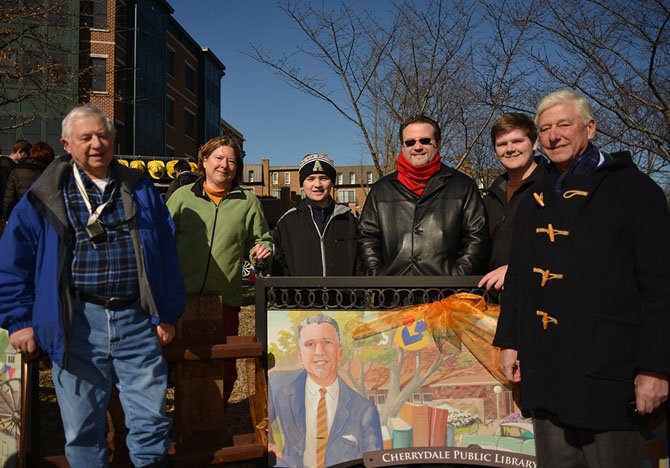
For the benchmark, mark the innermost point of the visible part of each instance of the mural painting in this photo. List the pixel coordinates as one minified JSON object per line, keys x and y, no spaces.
{"x":10,"y":401}
{"x":414,"y":377}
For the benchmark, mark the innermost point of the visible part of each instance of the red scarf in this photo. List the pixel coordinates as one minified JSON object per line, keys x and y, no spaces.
{"x":415,"y":178}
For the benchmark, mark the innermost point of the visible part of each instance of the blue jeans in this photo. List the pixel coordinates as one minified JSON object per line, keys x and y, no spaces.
{"x":108,"y":348}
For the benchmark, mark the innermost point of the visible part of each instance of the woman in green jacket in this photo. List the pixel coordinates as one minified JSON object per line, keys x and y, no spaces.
{"x":218,"y":224}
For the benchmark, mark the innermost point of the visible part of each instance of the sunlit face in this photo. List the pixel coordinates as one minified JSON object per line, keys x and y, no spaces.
{"x":317,"y":187}
{"x":320,"y":352}
{"x":419,"y":154}
{"x":91,"y":146}
{"x":563,"y":135}
{"x":515,"y":151}
{"x":220,"y":167}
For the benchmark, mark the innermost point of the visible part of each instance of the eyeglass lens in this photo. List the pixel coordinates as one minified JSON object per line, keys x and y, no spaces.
{"x":423,"y":141}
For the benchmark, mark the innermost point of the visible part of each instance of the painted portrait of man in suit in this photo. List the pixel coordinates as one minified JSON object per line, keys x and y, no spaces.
{"x":323,"y":421}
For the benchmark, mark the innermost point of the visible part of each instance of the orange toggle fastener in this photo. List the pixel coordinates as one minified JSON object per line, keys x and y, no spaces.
{"x":552,"y":232}
{"x":546,"y":319}
{"x":547,"y":275}
{"x":574,"y":193}
{"x":539,"y":198}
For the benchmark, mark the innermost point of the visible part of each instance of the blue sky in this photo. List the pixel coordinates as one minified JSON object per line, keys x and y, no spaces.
{"x":276,"y":120}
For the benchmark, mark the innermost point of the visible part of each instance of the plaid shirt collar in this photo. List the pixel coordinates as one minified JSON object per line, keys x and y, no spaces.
{"x":584,"y":166}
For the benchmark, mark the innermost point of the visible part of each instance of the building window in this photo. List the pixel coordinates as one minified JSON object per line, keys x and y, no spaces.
{"x":99,"y":17}
{"x":287,"y":178}
{"x":352,"y":178}
{"x":368,"y":177}
{"x":11,"y":358}
{"x":189,"y":78}
{"x":275,"y":178}
{"x":189,"y":124}
{"x":251,"y":176}
{"x":98,"y":74}
{"x":339,"y":178}
{"x":276,"y":193}
{"x":169,"y":111}
{"x":346,"y":196}
{"x":170,"y":62}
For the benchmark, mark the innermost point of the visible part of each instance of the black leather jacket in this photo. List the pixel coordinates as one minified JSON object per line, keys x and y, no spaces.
{"x":442,"y":233}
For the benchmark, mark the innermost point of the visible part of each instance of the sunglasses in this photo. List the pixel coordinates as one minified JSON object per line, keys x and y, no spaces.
{"x":423,"y":141}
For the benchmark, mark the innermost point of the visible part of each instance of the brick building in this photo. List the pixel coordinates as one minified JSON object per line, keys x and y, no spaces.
{"x":137,"y":63}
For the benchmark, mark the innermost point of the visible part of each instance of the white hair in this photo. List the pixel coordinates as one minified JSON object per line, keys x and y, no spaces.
{"x":80,"y":112}
{"x":561,"y":96}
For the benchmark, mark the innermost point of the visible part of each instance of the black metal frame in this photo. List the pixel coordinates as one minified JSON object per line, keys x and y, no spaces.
{"x":353,"y":293}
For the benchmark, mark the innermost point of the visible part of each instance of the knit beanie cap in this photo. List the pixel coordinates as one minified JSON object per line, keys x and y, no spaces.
{"x":317,"y":163}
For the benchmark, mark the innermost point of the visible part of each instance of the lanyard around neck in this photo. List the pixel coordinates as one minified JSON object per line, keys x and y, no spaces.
{"x":93,"y":215}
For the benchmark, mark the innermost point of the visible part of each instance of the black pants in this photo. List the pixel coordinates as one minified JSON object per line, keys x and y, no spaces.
{"x":561,"y":446}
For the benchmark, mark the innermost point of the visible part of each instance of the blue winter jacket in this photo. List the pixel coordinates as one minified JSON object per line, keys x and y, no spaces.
{"x":35,"y":260}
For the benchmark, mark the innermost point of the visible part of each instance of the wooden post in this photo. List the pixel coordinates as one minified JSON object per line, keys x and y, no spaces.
{"x":199,"y":384}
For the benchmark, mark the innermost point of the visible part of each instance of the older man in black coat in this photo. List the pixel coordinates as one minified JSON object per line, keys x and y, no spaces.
{"x":585,"y":320}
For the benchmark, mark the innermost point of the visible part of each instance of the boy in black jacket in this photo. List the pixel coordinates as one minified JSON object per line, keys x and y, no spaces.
{"x":317,"y":237}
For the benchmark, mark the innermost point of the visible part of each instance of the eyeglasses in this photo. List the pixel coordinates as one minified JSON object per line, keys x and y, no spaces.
{"x":423,"y":141}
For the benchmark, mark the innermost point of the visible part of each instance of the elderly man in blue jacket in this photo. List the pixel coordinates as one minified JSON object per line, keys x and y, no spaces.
{"x":89,"y":274}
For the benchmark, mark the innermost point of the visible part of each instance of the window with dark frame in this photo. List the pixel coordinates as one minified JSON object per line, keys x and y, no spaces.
{"x":99,"y":16}
{"x":189,"y":78}
{"x":98,"y":74}
{"x":169,"y":111}
{"x":170,"y":62}
{"x":189,"y":124}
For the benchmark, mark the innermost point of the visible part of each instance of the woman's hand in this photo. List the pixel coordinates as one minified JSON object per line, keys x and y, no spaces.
{"x":260,"y":251}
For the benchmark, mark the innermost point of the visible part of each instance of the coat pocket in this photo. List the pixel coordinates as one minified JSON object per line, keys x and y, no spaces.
{"x":613,"y":350}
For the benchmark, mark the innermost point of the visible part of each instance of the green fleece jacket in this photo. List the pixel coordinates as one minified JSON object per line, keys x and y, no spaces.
{"x":213,"y":241}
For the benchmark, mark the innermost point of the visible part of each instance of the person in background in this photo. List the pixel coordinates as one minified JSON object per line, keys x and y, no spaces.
{"x":425,"y":219}
{"x":584,"y":320}
{"x":20,"y":149}
{"x":317,"y":237}
{"x":183,"y":176}
{"x":514,"y":139}
{"x":218,"y":224}
{"x":89,"y":274}
{"x":26,"y":171}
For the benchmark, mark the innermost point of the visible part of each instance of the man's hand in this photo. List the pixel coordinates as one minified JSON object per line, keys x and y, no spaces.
{"x":260,"y":251}
{"x":651,"y":390}
{"x":165,"y":333}
{"x":494,"y":279}
{"x":510,"y":365}
{"x":24,"y":341}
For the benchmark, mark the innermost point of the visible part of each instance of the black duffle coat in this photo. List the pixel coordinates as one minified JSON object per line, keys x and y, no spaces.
{"x":587,"y":294}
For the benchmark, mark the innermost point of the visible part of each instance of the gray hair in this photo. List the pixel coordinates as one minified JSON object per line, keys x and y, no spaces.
{"x":561,"y":96}
{"x":79,"y":112}
{"x":319,"y":318}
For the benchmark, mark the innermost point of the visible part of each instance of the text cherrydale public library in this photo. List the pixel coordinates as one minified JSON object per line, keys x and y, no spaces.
{"x":495,"y":458}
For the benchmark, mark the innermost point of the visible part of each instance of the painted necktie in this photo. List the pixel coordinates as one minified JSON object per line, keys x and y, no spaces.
{"x":321,"y":430}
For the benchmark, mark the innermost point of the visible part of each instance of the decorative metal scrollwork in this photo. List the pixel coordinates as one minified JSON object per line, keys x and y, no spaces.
{"x":340,"y":298}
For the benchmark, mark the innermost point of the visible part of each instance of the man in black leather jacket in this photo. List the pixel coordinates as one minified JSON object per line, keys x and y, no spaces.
{"x":426,"y":218}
